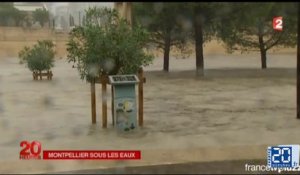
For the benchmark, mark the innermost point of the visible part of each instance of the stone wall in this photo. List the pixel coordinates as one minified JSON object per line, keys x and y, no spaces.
{"x":13,"y":39}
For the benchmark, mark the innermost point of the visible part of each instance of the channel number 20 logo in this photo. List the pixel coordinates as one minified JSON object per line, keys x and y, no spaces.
{"x":283,"y":156}
{"x":31,"y":150}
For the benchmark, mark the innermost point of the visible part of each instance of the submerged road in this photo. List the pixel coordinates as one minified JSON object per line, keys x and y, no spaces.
{"x":218,"y":167}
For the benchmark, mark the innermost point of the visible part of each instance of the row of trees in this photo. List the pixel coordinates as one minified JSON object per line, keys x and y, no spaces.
{"x":41,"y":16}
{"x":105,"y":45}
{"x":10,"y":16}
{"x":241,"y":26}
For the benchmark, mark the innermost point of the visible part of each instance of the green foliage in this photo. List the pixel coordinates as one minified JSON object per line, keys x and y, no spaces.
{"x":106,"y":44}
{"x":204,"y":15}
{"x":41,"y":15}
{"x":40,"y":57}
{"x":9,"y":15}
{"x":242,"y":24}
{"x":165,"y":23}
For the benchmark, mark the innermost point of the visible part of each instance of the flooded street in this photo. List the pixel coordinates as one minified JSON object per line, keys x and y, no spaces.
{"x":233,"y":113}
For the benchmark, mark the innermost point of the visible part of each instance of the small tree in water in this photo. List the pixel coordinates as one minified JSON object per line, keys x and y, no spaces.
{"x":40,"y":57}
{"x":106,"y":44}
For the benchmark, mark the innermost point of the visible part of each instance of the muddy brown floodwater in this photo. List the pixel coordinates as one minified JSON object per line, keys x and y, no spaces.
{"x":233,"y":113}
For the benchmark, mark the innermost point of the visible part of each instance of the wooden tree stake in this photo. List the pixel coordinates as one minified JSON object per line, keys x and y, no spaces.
{"x":93,"y":101}
{"x":40,"y":75}
{"x":141,"y":96}
{"x":112,"y":105}
{"x":104,"y":102}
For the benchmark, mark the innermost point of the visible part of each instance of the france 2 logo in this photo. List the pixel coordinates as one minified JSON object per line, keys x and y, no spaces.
{"x":277,"y":23}
{"x":30,"y":150}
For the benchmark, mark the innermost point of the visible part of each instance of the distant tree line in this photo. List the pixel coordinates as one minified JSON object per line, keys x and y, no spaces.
{"x":11,"y":16}
{"x":241,"y":26}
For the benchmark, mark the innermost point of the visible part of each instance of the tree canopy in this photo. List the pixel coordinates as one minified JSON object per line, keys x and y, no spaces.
{"x":202,"y":16}
{"x":164,"y":24}
{"x":248,"y":27}
{"x":106,"y":44}
{"x":9,"y":15}
{"x":41,"y":15}
{"x":241,"y":26}
{"x":40,"y":57}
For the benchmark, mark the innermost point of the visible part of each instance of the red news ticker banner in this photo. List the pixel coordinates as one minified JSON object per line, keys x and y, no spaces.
{"x":91,"y":155}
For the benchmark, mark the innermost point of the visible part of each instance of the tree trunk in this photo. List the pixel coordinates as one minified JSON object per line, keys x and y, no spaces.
{"x":167,"y":53}
{"x":263,"y":53}
{"x":199,"y":45}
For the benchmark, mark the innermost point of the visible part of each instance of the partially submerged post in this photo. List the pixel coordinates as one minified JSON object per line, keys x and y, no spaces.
{"x":112,"y":105}
{"x":93,"y":100}
{"x":124,"y":97}
{"x":49,"y":76}
{"x":141,"y":96}
{"x":103,"y":80}
{"x":298,"y":65}
{"x":104,"y":56}
{"x":104,"y":100}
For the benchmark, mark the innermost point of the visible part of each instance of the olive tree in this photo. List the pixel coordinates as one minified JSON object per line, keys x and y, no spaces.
{"x":107,"y":45}
{"x":40,"y":57}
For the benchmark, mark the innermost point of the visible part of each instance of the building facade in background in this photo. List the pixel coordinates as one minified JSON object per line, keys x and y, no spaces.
{"x":65,"y":15}
{"x":28,"y":8}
